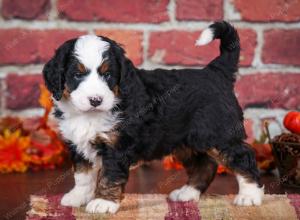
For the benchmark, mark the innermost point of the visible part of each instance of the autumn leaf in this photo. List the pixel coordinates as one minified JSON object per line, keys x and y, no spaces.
{"x":46,"y":102}
{"x":170,"y":162}
{"x":221,"y":169}
{"x":13,"y":155}
{"x":30,"y":143}
{"x":45,"y":98}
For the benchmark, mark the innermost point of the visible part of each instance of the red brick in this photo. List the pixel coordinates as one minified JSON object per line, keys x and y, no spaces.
{"x":178,"y":48}
{"x":22,"y":91}
{"x":130,"y":40}
{"x":268,"y":10}
{"x":25,"y":9}
{"x":151,"y":11}
{"x":282,"y":47}
{"x":273,"y":90}
{"x":248,"y":123}
{"x":20,"y":46}
{"x":199,"y":9}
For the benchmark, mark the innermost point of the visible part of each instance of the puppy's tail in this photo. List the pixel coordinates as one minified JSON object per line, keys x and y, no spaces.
{"x":229,"y":48}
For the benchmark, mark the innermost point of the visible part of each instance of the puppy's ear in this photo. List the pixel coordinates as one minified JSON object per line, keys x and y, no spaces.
{"x":118,"y":53}
{"x":122,"y":60}
{"x":54,"y":71}
{"x":127,"y":68}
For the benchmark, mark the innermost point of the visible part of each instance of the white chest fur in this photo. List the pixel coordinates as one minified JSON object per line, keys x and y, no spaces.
{"x":82,"y":128}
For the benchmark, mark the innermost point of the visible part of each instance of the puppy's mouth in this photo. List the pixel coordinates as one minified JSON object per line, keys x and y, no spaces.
{"x":93,"y":109}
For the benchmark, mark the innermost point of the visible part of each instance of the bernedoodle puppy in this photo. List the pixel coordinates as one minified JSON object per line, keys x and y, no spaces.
{"x":113,"y":115}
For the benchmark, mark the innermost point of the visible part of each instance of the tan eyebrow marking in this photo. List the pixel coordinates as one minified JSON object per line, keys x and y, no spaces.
{"x":81,"y":68}
{"x":103,"y":68}
{"x":116,"y":90}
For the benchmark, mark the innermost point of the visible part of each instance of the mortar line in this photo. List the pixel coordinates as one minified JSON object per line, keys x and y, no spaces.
{"x":172,"y":11}
{"x":145,"y":45}
{"x":271,"y":68}
{"x":2,"y":101}
{"x":257,"y":59}
{"x":1,"y":16}
{"x":53,"y":13}
{"x":180,"y":25}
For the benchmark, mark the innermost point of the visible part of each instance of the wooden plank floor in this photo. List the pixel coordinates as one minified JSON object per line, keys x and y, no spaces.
{"x":15,"y":189}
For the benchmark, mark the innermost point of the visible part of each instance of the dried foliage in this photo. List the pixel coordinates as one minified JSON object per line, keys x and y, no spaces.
{"x":30,"y":143}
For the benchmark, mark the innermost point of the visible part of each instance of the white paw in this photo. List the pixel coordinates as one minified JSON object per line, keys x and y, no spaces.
{"x":102,"y":206}
{"x":249,"y":193}
{"x":76,"y":197}
{"x":185,"y":193}
{"x":247,"y":200}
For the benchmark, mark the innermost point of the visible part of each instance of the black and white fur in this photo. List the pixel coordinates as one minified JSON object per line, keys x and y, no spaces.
{"x":154,"y":113}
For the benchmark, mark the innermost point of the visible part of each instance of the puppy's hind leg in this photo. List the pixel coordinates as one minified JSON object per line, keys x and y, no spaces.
{"x":241,"y":160}
{"x":201,"y":170}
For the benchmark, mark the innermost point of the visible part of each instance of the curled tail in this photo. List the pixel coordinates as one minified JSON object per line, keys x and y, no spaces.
{"x":229,"y":48}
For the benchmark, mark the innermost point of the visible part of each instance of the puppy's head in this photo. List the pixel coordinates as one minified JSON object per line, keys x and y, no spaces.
{"x":86,"y":72}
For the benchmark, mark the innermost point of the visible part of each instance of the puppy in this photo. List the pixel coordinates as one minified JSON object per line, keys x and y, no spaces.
{"x":113,"y":115}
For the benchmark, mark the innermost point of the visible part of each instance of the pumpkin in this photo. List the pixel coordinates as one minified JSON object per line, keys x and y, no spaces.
{"x":292,"y":122}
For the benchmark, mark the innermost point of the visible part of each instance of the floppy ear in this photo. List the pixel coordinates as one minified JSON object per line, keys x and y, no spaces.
{"x":54,"y":70}
{"x":123,"y":62}
{"x":126,"y":66}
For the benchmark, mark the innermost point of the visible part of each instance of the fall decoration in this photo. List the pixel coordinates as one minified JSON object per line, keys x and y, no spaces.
{"x":13,"y":155}
{"x":286,"y":149}
{"x":170,"y":162}
{"x":222,"y":170}
{"x":30,"y":143}
{"x":292,"y":122}
{"x":263,"y":152}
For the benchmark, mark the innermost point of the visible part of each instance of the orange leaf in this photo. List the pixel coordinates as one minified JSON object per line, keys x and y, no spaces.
{"x":45,"y":98}
{"x":13,"y":155}
{"x":170,"y":162}
{"x":221,"y":169}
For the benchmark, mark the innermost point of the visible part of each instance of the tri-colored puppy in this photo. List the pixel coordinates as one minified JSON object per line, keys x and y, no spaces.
{"x":112,"y":115}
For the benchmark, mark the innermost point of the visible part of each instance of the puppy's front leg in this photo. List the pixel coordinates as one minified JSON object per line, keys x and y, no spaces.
{"x":111,"y":183}
{"x":85,"y":176}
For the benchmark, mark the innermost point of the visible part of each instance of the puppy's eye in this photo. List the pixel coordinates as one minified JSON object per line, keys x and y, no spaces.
{"x":81,"y":69}
{"x":106,"y":75}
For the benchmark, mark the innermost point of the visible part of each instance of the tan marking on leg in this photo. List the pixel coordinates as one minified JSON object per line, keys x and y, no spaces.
{"x":214,"y":153}
{"x":183,"y":153}
{"x":110,"y":138}
{"x":104,"y":190}
{"x":83,"y":167}
{"x":199,"y":167}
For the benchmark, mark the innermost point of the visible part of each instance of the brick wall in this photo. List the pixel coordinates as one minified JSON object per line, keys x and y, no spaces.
{"x":157,"y":33}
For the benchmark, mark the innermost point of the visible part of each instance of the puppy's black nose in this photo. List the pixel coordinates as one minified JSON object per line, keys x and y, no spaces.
{"x":95,"y":101}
